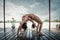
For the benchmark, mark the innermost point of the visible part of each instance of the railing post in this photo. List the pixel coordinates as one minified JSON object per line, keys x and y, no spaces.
{"x":4,"y":19}
{"x":49,"y":16}
{"x":4,"y":14}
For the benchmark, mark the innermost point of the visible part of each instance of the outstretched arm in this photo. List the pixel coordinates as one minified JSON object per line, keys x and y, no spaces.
{"x":19,"y":28}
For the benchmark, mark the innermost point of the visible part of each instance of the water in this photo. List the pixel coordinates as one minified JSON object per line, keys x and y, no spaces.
{"x":45,"y":25}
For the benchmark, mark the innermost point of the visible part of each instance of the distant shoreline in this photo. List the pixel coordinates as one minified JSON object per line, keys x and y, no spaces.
{"x":16,"y":22}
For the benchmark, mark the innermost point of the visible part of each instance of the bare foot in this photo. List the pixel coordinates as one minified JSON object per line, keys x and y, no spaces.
{"x":39,"y":33}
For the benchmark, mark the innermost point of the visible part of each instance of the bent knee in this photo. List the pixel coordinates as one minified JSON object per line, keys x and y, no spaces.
{"x":41,"y":22}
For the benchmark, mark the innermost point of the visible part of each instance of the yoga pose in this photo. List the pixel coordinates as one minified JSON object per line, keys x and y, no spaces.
{"x":32,"y":18}
{"x":23,"y":26}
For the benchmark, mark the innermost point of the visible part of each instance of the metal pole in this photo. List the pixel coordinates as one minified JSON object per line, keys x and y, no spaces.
{"x":49,"y":16}
{"x":4,"y":19}
{"x":4,"y":14}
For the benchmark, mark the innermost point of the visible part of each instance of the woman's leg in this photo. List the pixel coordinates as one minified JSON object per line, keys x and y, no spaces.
{"x":38,"y":20}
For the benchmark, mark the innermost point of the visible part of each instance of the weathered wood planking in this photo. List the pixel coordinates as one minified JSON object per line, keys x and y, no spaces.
{"x":11,"y":35}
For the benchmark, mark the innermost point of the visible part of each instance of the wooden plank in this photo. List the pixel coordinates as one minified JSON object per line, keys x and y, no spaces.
{"x":47,"y":37}
{"x":2,"y":34}
{"x":7,"y":35}
{"x":11,"y":38}
{"x":50,"y":37}
{"x":11,"y":35}
{"x":44,"y":38}
{"x":53,"y":34}
{"x":15,"y":38}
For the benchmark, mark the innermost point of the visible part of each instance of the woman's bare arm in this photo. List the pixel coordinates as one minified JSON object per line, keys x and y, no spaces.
{"x":19,"y":28}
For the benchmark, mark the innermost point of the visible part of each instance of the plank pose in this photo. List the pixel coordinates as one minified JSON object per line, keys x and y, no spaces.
{"x":32,"y":18}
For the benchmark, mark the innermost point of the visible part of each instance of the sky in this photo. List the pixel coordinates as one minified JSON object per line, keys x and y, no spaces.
{"x":18,"y":8}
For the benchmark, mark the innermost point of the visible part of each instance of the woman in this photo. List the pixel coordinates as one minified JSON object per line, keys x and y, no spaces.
{"x":32,"y":18}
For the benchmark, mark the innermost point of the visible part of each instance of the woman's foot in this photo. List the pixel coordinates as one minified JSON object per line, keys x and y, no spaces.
{"x":39,"y":33}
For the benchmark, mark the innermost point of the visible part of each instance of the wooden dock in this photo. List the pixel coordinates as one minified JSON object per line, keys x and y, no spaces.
{"x":11,"y":35}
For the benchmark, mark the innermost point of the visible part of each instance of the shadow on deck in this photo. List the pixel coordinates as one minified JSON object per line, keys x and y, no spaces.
{"x":11,"y":35}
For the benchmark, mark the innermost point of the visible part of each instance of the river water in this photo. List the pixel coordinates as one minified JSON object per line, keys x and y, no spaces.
{"x":45,"y":25}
